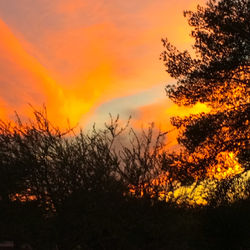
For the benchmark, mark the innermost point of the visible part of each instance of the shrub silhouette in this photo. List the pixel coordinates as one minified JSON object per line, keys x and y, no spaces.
{"x":68,"y":190}
{"x":51,"y":176}
{"x":41,"y":162}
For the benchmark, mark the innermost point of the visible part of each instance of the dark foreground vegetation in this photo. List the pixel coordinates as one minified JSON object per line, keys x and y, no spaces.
{"x":119,"y":189}
{"x":102,"y":221}
{"x":75,"y":191}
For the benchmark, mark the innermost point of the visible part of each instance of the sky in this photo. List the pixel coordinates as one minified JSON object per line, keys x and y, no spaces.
{"x":84,"y":59}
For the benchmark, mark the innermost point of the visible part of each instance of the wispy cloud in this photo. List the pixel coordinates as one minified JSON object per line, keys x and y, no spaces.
{"x":75,"y":55}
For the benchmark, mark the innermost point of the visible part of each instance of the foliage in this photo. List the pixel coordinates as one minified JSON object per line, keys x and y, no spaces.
{"x":48,"y":165}
{"x":97,"y":190}
{"x":217,"y":75}
{"x":48,"y":176}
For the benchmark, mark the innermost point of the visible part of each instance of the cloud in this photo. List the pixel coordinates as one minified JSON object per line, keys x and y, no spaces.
{"x":161,"y":111}
{"x":76,"y":55}
{"x":17,"y":70}
{"x":24,"y":80}
{"x":69,"y":7}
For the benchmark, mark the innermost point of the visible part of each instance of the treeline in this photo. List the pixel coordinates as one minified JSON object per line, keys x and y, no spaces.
{"x":103,"y":190}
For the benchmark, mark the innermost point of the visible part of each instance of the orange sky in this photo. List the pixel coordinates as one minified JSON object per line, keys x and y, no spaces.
{"x":84,"y":59}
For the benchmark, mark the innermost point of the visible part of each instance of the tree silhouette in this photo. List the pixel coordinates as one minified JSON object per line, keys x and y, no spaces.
{"x":61,"y":186}
{"x":216,"y":144}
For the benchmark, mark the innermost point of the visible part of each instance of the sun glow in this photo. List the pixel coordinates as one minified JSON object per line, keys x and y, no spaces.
{"x":227,"y":166}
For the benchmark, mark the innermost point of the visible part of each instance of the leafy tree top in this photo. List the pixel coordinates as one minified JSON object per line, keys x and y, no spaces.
{"x":222,"y":46}
{"x":218,"y":75}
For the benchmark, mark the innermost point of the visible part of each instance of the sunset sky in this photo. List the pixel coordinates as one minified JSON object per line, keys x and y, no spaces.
{"x":84,"y":59}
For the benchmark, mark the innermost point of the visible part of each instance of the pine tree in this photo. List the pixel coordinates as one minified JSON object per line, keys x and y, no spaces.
{"x":215,"y":144}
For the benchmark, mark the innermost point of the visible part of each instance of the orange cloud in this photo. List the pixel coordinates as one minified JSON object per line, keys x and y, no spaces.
{"x":3,"y":115}
{"x":91,"y":52}
{"x":69,"y":7}
{"x":160,"y":113}
{"x":100,"y":70}
{"x":28,"y":79}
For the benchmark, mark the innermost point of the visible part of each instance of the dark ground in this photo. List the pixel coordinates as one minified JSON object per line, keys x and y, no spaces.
{"x":100,"y":221}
